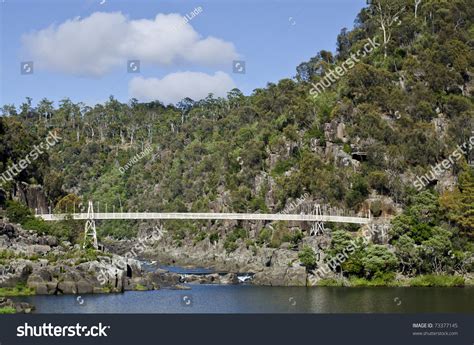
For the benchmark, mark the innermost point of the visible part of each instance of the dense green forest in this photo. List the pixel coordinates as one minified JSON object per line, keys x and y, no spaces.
{"x":359,"y":145}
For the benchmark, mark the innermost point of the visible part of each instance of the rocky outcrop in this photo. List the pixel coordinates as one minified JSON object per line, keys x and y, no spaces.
{"x":214,"y":278}
{"x":31,"y":195}
{"x":21,"y":307}
{"x":65,"y":271}
{"x":269,"y":266}
{"x":281,"y":276}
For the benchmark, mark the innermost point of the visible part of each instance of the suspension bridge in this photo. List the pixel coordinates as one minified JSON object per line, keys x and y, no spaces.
{"x":317,"y":217}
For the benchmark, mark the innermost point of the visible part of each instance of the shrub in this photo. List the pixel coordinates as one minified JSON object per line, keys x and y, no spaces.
{"x":230,"y":246}
{"x":17,"y":212}
{"x":437,"y":280}
{"x":7,"y":310}
{"x":379,"y":279}
{"x":330,"y":282}
{"x":378,"y":260}
{"x":229,"y":243}
{"x":378,"y":180}
{"x":307,"y":257}
{"x":19,"y":290}
{"x":264,"y":236}
{"x":199,"y":237}
{"x":376,"y":208}
{"x":214,"y":237}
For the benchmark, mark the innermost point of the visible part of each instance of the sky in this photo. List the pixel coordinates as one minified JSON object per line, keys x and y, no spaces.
{"x":88,"y":50}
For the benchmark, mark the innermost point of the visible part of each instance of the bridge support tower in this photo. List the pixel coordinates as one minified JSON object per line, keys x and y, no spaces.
{"x":317,"y":228}
{"x":90,"y":232}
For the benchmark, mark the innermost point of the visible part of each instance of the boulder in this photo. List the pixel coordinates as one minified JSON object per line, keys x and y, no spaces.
{"x":67,"y":287}
{"x":21,"y":307}
{"x":163,"y":278}
{"x":84,"y":287}
{"x":40,"y":288}
{"x":280,"y":276}
{"x":8,"y":230}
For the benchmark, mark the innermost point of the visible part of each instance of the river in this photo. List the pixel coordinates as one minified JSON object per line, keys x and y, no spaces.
{"x":263,"y":299}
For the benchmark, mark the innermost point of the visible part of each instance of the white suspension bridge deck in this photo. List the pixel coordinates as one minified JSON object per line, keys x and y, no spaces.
{"x":210,"y":216}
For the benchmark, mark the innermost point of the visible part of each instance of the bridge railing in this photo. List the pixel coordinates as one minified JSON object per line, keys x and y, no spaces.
{"x":211,"y":216}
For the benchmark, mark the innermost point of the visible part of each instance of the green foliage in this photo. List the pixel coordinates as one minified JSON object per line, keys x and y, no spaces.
{"x":408,"y":253}
{"x":199,"y":237}
{"x":295,"y":237}
{"x":418,"y":219}
{"x":140,"y":287}
{"x":120,"y":229}
{"x":18,"y":212}
{"x":342,"y":242}
{"x":376,"y":208}
{"x":458,"y":205}
{"x":218,"y":153}
{"x":359,"y":191}
{"x":282,"y":166}
{"x":379,"y":279}
{"x":264,"y":236}
{"x":214,"y":237}
{"x":19,"y":290}
{"x":230,"y":243}
{"x":378,"y":260}
{"x":331,"y":282}
{"x":378,"y":180}
{"x":69,"y":204}
{"x":437,"y":280}
{"x":280,"y":234}
{"x":307,"y":257}
{"x":7,"y":310}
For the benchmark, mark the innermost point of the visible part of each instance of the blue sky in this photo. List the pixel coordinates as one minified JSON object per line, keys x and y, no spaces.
{"x":86,"y":58}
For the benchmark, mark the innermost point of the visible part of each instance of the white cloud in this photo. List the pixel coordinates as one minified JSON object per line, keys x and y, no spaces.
{"x":176,"y":86}
{"x":94,"y":45}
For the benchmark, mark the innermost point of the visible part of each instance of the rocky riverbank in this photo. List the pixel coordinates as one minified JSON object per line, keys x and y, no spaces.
{"x":34,"y":264}
{"x":7,"y":306}
{"x":267,"y":266}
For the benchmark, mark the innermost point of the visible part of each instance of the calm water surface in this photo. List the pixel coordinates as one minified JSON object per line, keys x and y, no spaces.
{"x":262,"y":299}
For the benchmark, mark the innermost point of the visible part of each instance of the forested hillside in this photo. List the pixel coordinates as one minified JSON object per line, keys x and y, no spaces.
{"x":359,"y":145}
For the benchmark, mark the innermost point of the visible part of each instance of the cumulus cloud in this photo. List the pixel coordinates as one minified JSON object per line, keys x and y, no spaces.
{"x":176,"y":86}
{"x":94,"y":45}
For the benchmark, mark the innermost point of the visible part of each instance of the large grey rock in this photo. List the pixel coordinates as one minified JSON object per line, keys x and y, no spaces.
{"x":163,"y":278}
{"x":8,"y":230}
{"x":84,"y":287}
{"x":67,"y":287}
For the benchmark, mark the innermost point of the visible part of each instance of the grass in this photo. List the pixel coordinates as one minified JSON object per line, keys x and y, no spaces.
{"x":331,"y":282}
{"x":430,"y":280}
{"x":437,"y":280}
{"x":7,"y":310}
{"x":139,"y":287}
{"x":19,"y":290}
{"x":382,"y":279}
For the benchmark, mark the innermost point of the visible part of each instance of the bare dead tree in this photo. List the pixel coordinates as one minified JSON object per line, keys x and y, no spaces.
{"x":417,"y":3}
{"x":387,"y":13}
